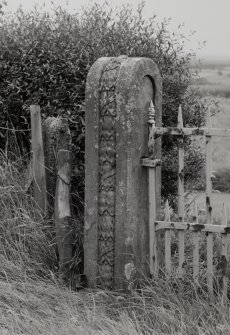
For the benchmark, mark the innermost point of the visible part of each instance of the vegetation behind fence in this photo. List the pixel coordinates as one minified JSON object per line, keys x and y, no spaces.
{"x":45,"y":60}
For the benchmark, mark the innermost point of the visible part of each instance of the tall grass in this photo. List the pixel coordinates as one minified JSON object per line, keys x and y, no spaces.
{"x":25,"y":240}
{"x":33,"y":301}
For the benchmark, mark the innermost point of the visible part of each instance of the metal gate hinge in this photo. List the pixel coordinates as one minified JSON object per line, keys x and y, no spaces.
{"x":151,"y":163}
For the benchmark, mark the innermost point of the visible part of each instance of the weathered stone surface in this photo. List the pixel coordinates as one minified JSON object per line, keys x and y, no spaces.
{"x":118,"y":95}
{"x":56,"y":136}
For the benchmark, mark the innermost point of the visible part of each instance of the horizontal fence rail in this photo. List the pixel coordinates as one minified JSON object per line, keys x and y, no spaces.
{"x":222,"y":132}
{"x":196,"y":227}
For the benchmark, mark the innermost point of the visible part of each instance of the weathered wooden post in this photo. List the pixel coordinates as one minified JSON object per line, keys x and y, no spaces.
{"x":39,"y":176}
{"x":118,"y":95}
{"x":151,"y":164}
{"x":62,"y":210}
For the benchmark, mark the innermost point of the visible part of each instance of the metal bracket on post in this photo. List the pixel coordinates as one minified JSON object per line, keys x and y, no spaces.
{"x":150,"y":163}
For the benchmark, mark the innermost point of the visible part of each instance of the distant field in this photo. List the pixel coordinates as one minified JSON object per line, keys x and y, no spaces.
{"x":214,"y":82}
{"x":217,"y":205}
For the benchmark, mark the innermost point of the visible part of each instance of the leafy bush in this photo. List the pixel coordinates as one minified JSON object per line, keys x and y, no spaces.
{"x":45,"y":59}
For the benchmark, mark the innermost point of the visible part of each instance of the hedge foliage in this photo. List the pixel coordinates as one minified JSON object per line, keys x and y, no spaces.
{"x":45,"y":59}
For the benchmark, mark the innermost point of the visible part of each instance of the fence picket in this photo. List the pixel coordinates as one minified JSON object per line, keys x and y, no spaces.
{"x":181,"y":168}
{"x":209,"y":207}
{"x":181,"y":251}
{"x":210,"y":263}
{"x":168,"y":266}
{"x":195,"y":240}
{"x":180,"y":189}
{"x":224,"y":221}
{"x":224,"y":253}
{"x":209,"y":173}
{"x":195,"y":213}
{"x":168,"y":251}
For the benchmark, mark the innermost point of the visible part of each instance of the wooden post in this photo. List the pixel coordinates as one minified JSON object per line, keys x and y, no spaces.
{"x":151,"y":164}
{"x":180,"y":189}
{"x":39,"y":175}
{"x":152,"y":194}
{"x":62,"y":210}
{"x":152,"y":218}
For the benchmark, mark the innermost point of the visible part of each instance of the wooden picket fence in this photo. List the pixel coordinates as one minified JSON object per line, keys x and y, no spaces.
{"x":180,"y":227}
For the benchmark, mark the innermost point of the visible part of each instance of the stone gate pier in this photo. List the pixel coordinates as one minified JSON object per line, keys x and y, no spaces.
{"x":118,"y":95}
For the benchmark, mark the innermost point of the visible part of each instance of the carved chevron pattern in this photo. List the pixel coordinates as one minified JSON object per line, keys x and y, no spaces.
{"x":107,"y":171}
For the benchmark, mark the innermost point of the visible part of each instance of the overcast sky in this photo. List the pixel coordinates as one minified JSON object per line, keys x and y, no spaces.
{"x":209,"y":18}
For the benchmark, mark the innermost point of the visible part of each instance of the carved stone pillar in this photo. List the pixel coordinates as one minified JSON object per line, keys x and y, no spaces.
{"x":118,"y":95}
